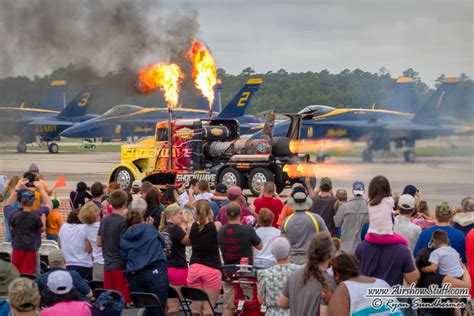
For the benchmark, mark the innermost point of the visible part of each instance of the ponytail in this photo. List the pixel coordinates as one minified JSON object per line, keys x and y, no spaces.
{"x":203,"y":209}
{"x":318,"y":252}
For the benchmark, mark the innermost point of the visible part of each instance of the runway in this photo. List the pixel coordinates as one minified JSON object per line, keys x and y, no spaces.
{"x":439,"y":179}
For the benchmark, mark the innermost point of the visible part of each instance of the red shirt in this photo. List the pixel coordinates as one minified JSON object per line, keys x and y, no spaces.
{"x":470,"y":256}
{"x":273,"y":204}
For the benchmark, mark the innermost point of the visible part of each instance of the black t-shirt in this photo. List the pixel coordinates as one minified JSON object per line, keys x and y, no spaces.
{"x":236,"y":242}
{"x":26,"y":227}
{"x":111,"y":230}
{"x":204,"y":245}
{"x":324,"y":206}
{"x":175,"y":250}
{"x":426,"y":279}
{"x":155,"y":213}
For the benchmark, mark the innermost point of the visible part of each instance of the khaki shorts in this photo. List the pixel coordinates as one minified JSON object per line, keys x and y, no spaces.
{"x":229,"y":294}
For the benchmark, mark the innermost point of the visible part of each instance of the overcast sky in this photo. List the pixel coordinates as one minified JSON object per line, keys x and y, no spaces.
{"x":433,"y":37}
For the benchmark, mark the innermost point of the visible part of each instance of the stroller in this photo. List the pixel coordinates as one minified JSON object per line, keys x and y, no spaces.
{"x":242,"y":279}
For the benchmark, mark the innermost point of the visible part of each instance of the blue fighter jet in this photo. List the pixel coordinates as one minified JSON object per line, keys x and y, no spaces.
{"x":44,"y":124}
{"x":378,"y":127}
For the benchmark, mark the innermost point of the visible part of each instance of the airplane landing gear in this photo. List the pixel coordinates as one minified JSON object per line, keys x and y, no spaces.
{"x":21,"y":147}
{"x":367,"y":155}
{"x":53,"y":148}
{"x":409,"y":156}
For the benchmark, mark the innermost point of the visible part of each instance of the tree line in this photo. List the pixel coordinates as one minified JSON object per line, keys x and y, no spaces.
{"x":285,"y":92}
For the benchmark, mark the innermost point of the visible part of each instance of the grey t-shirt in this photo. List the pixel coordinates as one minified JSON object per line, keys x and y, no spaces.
{"x":111,"y":231}
{"x":300,"y":230}
{"x":305,"y":300}
{"x":448,"y":261}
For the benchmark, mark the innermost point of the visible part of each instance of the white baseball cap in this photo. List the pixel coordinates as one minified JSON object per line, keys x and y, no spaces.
{"x":60,"y":282}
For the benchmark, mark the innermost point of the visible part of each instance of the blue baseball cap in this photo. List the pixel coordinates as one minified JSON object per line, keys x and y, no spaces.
{"x":358,"y":188}
{"x":25,"y":195}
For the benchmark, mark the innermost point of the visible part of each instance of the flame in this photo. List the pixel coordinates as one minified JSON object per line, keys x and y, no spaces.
{"x":319,"y":170}
{"x":204,"y":70}
{"x":311,"y":146}
{"x":167,"y":77}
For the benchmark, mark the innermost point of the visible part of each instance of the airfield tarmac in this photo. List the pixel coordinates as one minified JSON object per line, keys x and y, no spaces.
{"x":439,"y":178}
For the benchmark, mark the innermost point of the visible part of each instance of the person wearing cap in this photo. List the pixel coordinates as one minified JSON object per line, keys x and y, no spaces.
{"x":57,"y":262}
{"x":234,"y":194}
{"x":219,"y":198}
{"x":236,"y":241}
{"x":35,"y":170}
{"x":457,"y":239}
{"x":136,"y":189}
{"x":411,"y":190}
{"x":271,"y":281}
{"x":24,"y":297}
{"x":287,"y":211}
{"x":54,"y":222}
{"x":351,"y":217}
{"x":8,"y":273}
{"x":26,"y":224}
{"x":323,"y":202}
{"x":463,"y":219}
{"x":302,"y":226}
{"x":403,"y":224}
{"x":269,"y":200}
{"x":62,"y":298}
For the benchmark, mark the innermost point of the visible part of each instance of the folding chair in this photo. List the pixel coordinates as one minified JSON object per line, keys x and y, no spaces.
{"x":97,"y":291}
{"x":95,"y":284}
{"x":146,"y":300}
{"x":28,"y":276}
{"x":196,"y":295}
{"x":172,"y":293}
{"x":5,"y":256}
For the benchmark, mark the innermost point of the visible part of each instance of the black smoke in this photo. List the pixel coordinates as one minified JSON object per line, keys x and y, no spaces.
{"x":39,"y":36}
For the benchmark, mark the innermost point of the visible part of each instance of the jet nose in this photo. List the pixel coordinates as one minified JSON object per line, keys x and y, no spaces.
{"x":77,"y":131}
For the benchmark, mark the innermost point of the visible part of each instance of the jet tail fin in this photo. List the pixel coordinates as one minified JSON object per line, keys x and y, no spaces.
{"x":79,"y":105}
{"x":216,"y":105}
{"x":429,"y":112}
{"x":55,"y":98}
{"x":238,"y":105}
{"x":403,"y":98}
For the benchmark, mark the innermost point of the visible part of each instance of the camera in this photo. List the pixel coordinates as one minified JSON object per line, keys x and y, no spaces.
{"x":31,"y":179}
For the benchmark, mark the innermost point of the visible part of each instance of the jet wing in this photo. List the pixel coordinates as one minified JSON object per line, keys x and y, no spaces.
{"x":50,"y":122}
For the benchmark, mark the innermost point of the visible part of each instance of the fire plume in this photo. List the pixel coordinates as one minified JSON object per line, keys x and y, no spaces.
{"x":312,"y":146}
{"x":204,"y":70}
{"x":319,"y":170}
{"x":167,"y":77}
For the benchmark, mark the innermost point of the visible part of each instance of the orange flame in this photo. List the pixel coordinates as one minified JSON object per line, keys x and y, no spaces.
{"x":318,"y":170}
{"x":167,"y":77}
{"x":204,"y":70}
{"x":311,"y":146}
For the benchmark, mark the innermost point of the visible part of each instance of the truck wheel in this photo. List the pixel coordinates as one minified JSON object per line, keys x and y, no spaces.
{"x":258,"y":177}
{"x":279,"y":180}
{"x":230,"y":177}
{"x":124,"y":178}
{"x":409,"y":156}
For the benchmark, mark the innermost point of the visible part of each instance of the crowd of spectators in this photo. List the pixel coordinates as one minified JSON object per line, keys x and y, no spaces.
{"x":317,"y":252}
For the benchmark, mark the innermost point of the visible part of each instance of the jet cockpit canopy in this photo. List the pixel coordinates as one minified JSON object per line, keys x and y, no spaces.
{"x":317,"y":110}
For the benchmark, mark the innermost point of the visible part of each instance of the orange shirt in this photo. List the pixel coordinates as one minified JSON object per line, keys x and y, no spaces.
{"x":285,"y":212}
{"x":53,"y":222}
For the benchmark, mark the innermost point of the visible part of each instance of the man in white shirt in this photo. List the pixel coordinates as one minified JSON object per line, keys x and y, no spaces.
{"x":187,"y":199}
{"x":403,"y":224}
